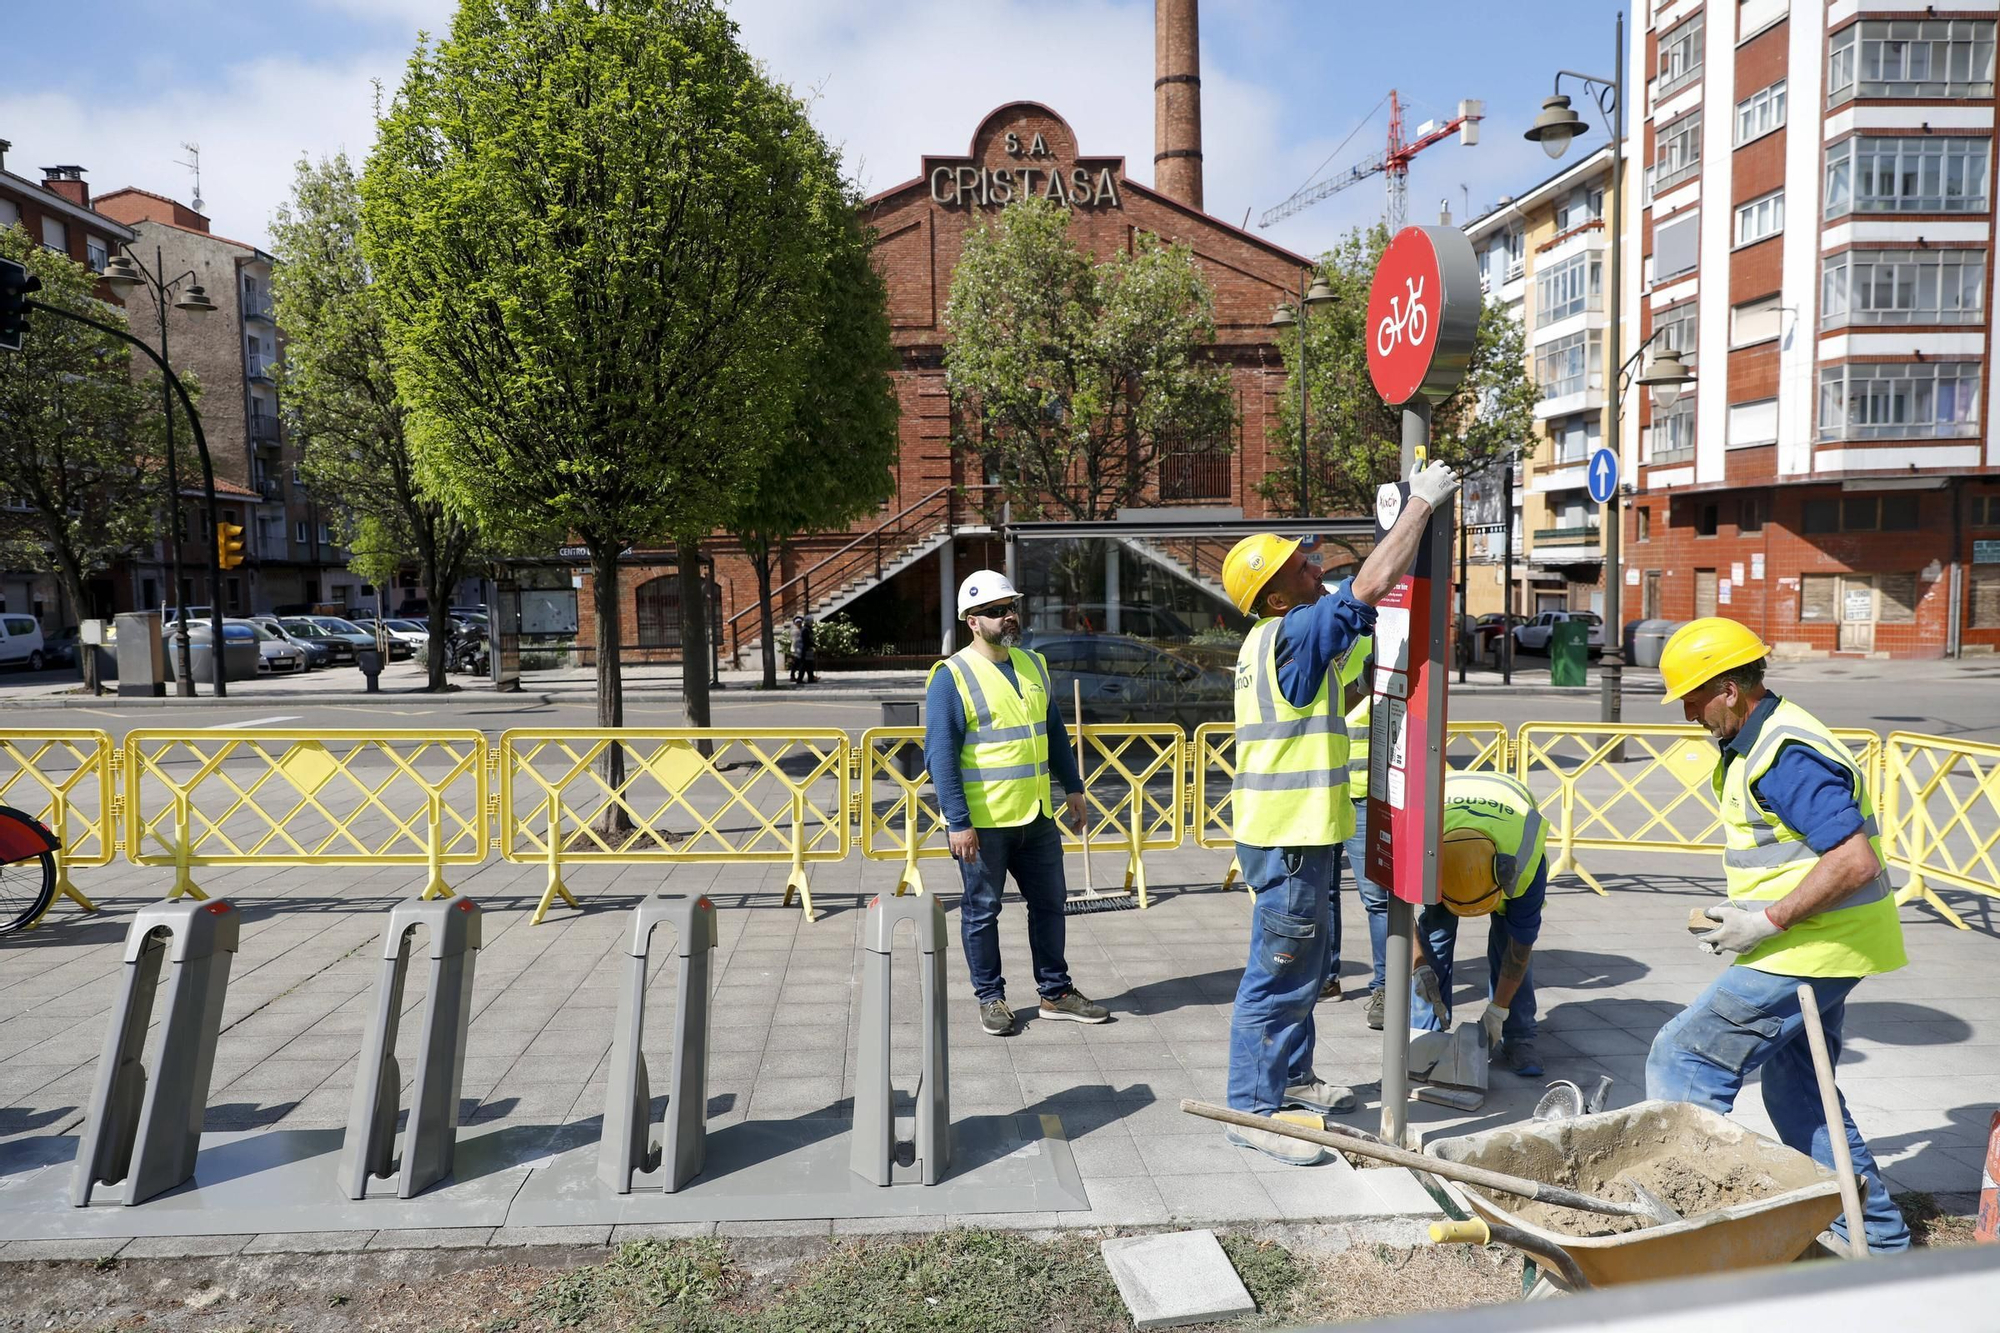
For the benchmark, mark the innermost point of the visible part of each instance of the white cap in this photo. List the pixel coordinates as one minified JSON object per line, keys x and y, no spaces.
{"x":982,"y":586}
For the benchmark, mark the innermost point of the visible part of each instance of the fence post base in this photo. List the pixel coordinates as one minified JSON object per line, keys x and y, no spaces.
{"x":796,"y":882}
{"x":1916,"y":890}
{"x":627,"y":1158}
{"x":144,"y":1127}
{"x":556,"y":888}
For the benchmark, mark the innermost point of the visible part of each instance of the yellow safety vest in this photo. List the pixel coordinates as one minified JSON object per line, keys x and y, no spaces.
{"x":1504,"y":810}
{"x":1764,"y":859}
{"x":1291,"y":763}
{"x":1004,"y":761}
{"x":1358,"y":718}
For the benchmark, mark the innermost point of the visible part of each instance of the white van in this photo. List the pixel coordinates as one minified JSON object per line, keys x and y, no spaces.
{"x":21,"y":641}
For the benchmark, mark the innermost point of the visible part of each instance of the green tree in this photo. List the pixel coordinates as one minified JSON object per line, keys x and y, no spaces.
{"x":1353,"y":438}
{"x":1068,"y":375}
{"x":79,"y":437}
{"x":831,"y":464}
{"x":340,"y":391}
{"x":598,"y":227}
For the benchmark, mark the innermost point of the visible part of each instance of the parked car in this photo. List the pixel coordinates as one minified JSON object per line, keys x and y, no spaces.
{"x":277,"y":655}
{"x":21,"y":642}
{"x":305,"y":629}
{"x":62,"y":649}
{"x":1487,"y":629}
{"x":318,"y":653}
{"x":241,"y":652}
{"x":412,"y":632}
{"x":1533,"y":637}
{"x":1125,"y":680}
{"x":362,"y":639}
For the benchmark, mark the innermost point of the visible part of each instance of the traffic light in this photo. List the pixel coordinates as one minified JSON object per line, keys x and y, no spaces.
{"x":228,"y":545}
{"x":15,"y":285}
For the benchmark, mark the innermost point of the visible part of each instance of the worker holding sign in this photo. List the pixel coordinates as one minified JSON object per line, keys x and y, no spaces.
{"x":1290,"y":804}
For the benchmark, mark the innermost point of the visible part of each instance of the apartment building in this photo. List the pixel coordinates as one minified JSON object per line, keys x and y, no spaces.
{"x":290,"y":560}
{"x":1816,"y":235}
{"x":1544,"y":256}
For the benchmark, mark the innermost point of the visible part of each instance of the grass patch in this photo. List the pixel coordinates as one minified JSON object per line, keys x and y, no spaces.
{"x":665,"y":1285}
{"x":1268,"y":1270}
{"x":1931,"y":1225}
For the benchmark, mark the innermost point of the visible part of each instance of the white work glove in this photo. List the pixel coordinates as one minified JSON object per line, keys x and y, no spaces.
{"x":1740,"y":931}
{"x":1428,"y":990}
{"x":1433,"y":483}
{"x":1492,"y":1020}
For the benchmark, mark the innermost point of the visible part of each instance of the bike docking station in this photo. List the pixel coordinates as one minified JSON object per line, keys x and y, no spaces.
{"x":142,"y":1146}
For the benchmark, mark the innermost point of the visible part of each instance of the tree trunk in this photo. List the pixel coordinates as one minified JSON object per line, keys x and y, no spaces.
{"x":440,"y":623}
{"x":694,"y":635}
{"x":610,"y":682}
{"x":69,"y":588}
{"x":760,"y":559}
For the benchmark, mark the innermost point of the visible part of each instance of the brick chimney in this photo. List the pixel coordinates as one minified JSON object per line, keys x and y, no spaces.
{"x":68,"y":182}
{"x":1177,"y":100}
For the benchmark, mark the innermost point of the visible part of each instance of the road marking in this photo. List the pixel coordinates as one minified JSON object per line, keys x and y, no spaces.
{"x":253,"y":722}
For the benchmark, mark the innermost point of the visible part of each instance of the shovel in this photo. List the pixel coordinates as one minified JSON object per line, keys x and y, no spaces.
{"x":1333,"y":1137}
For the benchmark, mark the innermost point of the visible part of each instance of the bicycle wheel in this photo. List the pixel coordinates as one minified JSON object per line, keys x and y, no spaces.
{"x":26,"y":890}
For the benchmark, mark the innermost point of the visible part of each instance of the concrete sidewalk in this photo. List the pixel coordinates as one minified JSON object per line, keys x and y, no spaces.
{"x":1921,"y":1068}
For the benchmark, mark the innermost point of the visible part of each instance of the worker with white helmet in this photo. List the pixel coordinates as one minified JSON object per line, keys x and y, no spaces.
{"x":993,"y":734}
{"x":1809,"y":900}
{"x":1290,"y":804}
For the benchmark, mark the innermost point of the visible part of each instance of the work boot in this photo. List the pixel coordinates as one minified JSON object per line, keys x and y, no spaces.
{"x":996,"y":1018}
{"x":1331,"y":990}
{"x":1072,"y":1005}
{"x":1277,"y":1147}
{"x":1376,"y":1000}
{"x":1321,"y":1096}
{"x":1521,"y":1057}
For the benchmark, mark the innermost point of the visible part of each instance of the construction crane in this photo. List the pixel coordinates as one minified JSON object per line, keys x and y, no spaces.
{"x":1393,"y":163}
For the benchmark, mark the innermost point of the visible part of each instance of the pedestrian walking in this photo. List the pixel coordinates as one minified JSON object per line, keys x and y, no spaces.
{"x":993,"y":734}
{"x":803,"y":656}
{"x":1809,"y":901}
{"x":1290,"y":802}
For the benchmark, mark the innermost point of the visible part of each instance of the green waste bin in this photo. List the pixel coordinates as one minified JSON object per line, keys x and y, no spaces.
{"x":1569,"y":649}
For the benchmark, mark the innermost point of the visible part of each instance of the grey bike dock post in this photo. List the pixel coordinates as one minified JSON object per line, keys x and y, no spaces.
{"x":873,"y":1153}
{"x":144,"y":1127}
{"x":626,"y":1156}
{"x":369,"y":1151}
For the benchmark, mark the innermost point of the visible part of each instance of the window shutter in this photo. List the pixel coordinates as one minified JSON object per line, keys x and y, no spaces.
{"x":1898,"y":594}
{"x":1674,"y":248}
{"x":1817,"y":597}
{"x":1985,"y":598}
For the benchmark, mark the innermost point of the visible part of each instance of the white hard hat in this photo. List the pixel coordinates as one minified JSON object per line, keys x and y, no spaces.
{"x":983,"y":586}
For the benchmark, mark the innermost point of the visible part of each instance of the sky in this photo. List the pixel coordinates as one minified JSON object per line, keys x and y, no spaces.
{"x":1285,"y":83}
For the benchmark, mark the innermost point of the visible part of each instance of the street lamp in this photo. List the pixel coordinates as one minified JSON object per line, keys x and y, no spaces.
{"x":1284,"y":317}
{"x":127,"y":275}
{"x":1554,"y":128}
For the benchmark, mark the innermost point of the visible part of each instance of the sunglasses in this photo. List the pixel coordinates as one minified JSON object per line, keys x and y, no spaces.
{"x":996,"y":611}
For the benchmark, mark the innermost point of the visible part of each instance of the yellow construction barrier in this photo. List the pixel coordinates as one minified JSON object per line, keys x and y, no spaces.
{"x":1634,"y":787}
{"x":64,"y":778}
{"x":283,"y":796}
{"x":758,"y":794}
{"x":1133,"y":778}
{"x":1941,"y":816}
{"x":1469,"y":746}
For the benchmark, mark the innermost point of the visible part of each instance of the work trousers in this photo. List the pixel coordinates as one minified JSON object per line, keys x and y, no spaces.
{"x":1748,"y":1020}
{"x":1374,"y":900}
{"x":1439,"y":930}
{"x":1032,"y":853}
{"x":1271,"y":1034}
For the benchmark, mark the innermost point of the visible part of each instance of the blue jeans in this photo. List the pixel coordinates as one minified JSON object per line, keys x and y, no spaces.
{"x":1271,"y":1029}
{"x":1033,"y":853}
{"x":1439,"y":930}
{"x":1747,"y":1020}
{"x":1374,"y":899}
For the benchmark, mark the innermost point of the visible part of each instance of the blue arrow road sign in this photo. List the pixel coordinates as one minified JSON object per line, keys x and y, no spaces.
{"x":1603,"y":476}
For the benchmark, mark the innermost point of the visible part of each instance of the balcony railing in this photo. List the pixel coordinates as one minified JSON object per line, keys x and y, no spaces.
{"x":265,"y":430}
{"x":269,"y":488}
{"x":259,"y":369}
{"x":1680,"y":454}
{"x":257,"y":307}
{"x":1582,"y":534}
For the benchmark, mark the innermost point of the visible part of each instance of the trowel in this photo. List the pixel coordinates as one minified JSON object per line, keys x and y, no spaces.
{"x":1454,"y":1064}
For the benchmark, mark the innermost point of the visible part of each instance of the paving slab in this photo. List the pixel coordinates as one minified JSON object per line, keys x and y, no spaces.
{"x":1176,"y":1278}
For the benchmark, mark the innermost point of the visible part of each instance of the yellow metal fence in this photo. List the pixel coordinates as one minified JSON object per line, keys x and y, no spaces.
{"x":278,"y":797}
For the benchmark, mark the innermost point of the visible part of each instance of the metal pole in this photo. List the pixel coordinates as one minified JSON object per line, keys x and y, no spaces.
{"x":1305,"y":474}
{"x":1464,"y":594}
{"x":1613,"y":671}
{"x":183,"y":654}
{"x":1507,"y":557}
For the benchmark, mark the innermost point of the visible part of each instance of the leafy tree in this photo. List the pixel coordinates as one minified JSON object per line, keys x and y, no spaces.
{"x":598,"y":228}
{"x":1353,"y":438}
{"x":79,"y":437}
{"x":1067,"y":374}
{"x":831,"y":465}
{"x":340,"y":391}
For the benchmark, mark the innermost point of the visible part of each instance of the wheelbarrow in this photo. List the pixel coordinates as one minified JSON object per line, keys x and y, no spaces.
{"x":1775,"y":1224}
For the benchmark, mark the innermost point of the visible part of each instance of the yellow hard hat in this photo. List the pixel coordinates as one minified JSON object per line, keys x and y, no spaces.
{"x":1703,"y":649}
{"x":1251,"y":563}
{"x":1467,"y":883}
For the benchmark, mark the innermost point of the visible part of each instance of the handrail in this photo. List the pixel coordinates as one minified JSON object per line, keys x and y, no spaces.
{"x":872,"y":535}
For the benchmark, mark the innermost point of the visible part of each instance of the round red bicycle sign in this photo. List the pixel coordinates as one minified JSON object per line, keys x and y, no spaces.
{"x":1423,"y":311}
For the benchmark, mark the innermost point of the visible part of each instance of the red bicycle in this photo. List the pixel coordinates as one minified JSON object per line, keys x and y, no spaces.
{"x":27,"y":869}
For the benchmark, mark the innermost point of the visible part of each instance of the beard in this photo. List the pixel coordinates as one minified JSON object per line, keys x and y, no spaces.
{"x":1007,"y":636}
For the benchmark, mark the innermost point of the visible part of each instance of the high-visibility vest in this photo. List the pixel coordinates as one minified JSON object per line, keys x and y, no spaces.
{"x":1764,"y":859}
{"x":1504,"y":810}
{"x":1004,"y":762}
{"x":1291,"y":763}
{"x":1358,"y":717}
